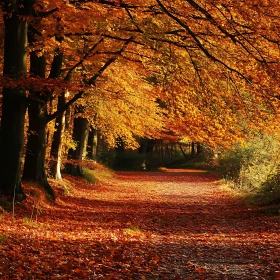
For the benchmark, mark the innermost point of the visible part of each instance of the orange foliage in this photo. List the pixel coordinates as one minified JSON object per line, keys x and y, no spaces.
{"x":214,"y":65}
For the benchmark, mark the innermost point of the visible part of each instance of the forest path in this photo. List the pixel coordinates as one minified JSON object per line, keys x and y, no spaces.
{"x":177,"y":224}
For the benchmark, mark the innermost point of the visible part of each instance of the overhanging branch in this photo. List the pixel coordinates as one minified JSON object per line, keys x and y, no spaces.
{"x":198,"y":43}
{"x":89,"y":82}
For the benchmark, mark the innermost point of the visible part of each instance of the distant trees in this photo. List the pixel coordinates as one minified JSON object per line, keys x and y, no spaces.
{"x":215,"y":66}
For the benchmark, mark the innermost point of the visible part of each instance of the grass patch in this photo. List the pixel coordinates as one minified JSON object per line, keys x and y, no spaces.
{"x":89,"y":176}
{"x":132,"y":230}
{"x":28,"y":221}
{"x":63,"y":186}
{"x":162,"y":169}
{"x":135,"y":232}
{"x":267,"y":199}
{"x":95,"y":172}
{"x":3,"y":238}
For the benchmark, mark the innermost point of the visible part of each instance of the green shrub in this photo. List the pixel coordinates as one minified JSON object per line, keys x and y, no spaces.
{"x":270,"y":190}
{"x":95,"y":172}
{"x":254,"y":166}
{"x":230,"y":163}
{"x":88,"y":175}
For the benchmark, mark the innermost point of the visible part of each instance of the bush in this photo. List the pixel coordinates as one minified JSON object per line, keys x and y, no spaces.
{"x":230,"y":163}
{"x":254,"y":166}
{"x":270,"y":191}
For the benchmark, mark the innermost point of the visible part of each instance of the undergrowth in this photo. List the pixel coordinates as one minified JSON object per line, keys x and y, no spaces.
{"x":95,"y":172}
{"x":3,"y":238}
{"x":252,"y":169}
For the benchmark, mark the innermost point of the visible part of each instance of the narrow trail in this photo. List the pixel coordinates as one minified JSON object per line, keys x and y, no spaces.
{"x":161,"y":225}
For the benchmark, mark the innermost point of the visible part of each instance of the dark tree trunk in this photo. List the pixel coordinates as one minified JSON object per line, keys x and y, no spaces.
{"x":34,"y":164}
{"x":142,"y":146}
{"x":199,"y":148}
{"x":12,"y":140}
{"x":192,"y":149}
{"x":13,"y":104}
{"x":92,"y":144}
{"x":34,"y":167}
{"x":149,"y":154}
{"x":119,"y":161}
{"x":146,"y":148}
{"x":183,"y":152}
{"x":80,"y":136}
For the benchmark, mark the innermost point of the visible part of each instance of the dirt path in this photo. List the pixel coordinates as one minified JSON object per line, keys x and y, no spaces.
{"x":161,"y":225}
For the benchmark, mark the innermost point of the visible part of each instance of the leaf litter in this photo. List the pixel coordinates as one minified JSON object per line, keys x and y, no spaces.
{"x":177,"y":224}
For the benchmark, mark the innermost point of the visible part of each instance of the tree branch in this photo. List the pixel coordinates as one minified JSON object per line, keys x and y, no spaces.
{"x":68,"y":75}
{"x":89,"y":82}
{"x":211,"y":19}
{"x":138,"y":29}
{"x":199,"y":44}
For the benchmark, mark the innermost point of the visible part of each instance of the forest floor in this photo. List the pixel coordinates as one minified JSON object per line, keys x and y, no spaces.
{"x":178,"y":224}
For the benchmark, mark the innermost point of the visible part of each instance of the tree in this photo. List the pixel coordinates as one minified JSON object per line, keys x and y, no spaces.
{"x":80,"y":135}
{"x":14,"y":98}
{"x":56,"y":147}
{"x":92,"y":144}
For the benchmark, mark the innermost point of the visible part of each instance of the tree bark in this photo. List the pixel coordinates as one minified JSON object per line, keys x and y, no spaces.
{"x":149,"y":154}
{"x":183,"y":152}
{"x":80,"y":136}
{"x":13,"y":103}
{"x":147,"y":148}
{"x":192,"y":149}
{"x":92,"y":144}
{"x":34,"y":164}
{"x":199,"y":148}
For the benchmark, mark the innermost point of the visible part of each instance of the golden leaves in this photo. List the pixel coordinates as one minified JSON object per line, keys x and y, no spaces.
{"x":215,"y":65}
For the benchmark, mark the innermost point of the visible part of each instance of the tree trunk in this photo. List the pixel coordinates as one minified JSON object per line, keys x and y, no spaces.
{"x":146,"y":149}
{"x":92,"y":144}
{"x":199,"y":148}
{"x":56,"y":148}
{"x":80,"y":136}
{"x":119,"y":161}
{"x":150,"y":164}
{"x":13,"y":105}
{"x":34,"y":164}
{"x":183,"y":152}
{"x":192,"y":149}
{"x":12,"y":140}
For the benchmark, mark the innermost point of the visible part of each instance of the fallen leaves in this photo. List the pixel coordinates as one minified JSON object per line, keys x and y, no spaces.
{"x":175,"y":225}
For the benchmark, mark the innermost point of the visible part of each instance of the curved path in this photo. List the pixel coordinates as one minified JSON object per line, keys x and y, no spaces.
{"x":162,"y":225}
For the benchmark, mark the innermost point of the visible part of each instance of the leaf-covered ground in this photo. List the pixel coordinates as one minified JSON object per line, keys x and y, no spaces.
{"x":162,"y":225}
